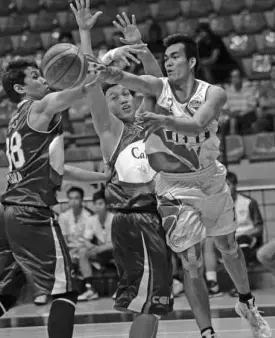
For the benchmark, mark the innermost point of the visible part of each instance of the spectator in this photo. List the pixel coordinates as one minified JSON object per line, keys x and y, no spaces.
{"x":249,"y":234}
{"x":215,"y":61}
{"x":267,"y":104}
{"x":266,"y":256}
{"x":75,"y":221}
{"x":241,"y":104}
{"x":101,"y":251}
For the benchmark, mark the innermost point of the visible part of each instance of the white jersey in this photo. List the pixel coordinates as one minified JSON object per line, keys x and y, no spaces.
{"x":176,"y":153}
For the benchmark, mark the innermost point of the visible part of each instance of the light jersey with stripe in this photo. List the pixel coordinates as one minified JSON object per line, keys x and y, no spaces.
{"x":171,"y":152}
{"x":131,"y":186}
{"x":36,"y":160}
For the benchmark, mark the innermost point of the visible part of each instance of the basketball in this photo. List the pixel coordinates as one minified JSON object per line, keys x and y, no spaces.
{"x":64,"y":66}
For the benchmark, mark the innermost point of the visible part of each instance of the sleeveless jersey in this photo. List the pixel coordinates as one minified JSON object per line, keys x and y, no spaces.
{"x":36,"y":161}
{"x":131,"y":186}
{"x":176,"y":153}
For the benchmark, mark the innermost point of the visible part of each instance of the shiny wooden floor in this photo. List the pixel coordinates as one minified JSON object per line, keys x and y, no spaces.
{"x":227,"y":328}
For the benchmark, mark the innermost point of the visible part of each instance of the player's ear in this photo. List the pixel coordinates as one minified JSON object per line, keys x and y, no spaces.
{"x":192,"y":62}
{"x":19,"y":89}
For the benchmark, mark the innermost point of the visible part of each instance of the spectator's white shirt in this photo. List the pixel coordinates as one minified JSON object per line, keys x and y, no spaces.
{"x":101,"y":231}
{"x":74,"y":229}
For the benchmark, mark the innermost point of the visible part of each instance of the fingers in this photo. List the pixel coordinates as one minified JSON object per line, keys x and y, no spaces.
{"x":131,"y":57}
{"x":124,"y":58}
{"x":122,"y":22}
{"x":73,"y":9}
{"x":78,"y":6}
{"x":88,"y":4}
{"x":118,"y":26}
{"x":134,"y":21}
{"x":126,"y":18}
{"x":96,"y":16}
{"x":82,"y":4}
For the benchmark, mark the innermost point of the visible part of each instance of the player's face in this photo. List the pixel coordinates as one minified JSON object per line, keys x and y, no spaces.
{"x":176,"y":64}
{"x":100,"y":206}
{"x":121,"y":103}
{"x":35,"y":85}
{"x":75,"y":200}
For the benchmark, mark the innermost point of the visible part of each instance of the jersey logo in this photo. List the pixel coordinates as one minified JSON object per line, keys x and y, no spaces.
{"x":195,"y":104}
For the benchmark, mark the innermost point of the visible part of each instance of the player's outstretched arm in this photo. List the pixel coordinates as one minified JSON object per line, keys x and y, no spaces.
{"x":77,"y":174}
{"x":208,"y":111}
{"x":86,"y":21}
{"x":146,"y":84}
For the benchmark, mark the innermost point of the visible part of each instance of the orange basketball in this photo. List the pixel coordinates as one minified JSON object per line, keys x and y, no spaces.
{"x":64,"y":66}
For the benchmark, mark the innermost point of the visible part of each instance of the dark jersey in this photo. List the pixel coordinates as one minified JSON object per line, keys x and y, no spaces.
{"x":131,"y":187}
{"x":36,"y":161}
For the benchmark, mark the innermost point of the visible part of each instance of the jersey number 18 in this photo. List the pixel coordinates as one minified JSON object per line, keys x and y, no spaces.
{"x":14,"y":151}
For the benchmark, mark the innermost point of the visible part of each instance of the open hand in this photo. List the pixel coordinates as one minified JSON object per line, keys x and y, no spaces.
{"x":128,"y":29}
{"x":84,"y":18}
{"x":126,"y":53}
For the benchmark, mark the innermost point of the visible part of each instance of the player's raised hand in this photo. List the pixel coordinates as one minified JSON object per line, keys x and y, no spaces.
{"x":128,"y":29}
{"x":127,"y":53}
{"x":82,"y":11}
{"x":150,"y":122}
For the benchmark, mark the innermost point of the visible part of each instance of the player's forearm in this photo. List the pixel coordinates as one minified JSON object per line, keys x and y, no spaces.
{"x":53,"y":103}
{"x":86,"y":41}
{"x":133,"y":82}
{"x":189,"y":127}
{"x":78,"y":174}
{"x":150,"y":64}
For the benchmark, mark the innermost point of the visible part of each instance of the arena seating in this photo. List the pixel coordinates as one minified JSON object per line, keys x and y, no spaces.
{"x":246,"y":26}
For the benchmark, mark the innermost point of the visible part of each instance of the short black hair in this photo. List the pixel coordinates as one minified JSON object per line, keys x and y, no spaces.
{"x":232,"y":177}
{"x":14,"y":74}
{"x":99,"y":195}
{"x":106,"y":86}
{"x":191,"y":47}
{"x":76,"y":189}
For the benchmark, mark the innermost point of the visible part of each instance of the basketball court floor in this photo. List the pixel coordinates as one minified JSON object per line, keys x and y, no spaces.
{"x":226,"y":327}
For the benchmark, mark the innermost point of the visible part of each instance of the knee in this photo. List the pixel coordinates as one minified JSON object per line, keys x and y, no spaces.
{"x":227,"y":245}
{"x":192,"y":261}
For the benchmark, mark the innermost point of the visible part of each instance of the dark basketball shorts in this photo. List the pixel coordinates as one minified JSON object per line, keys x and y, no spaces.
{"x":144,"y":264}
{"x":32,"y":248}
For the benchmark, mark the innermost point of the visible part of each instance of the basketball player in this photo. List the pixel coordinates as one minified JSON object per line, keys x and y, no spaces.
{"x":192,"y":192}
{"x":140,"y":251}
{"x":31,"y":243}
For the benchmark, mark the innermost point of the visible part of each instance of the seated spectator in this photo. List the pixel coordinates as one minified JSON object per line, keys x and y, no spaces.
{"x":75,"y":221}
{"x":266,"y":255}
{"x":100,"y":250}
{"x":267,"y":104}
{"x":215,"y":61}
{"x":249,"y":234}
{"x":241,"y":104}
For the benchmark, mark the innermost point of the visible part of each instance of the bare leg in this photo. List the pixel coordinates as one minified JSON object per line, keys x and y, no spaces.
{"x":195,"y":287}
{"x":234,"y":262}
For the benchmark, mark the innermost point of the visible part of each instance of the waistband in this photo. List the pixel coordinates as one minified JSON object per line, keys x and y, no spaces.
{"x":200,"y":174}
